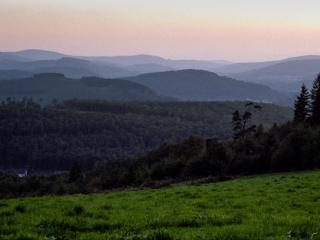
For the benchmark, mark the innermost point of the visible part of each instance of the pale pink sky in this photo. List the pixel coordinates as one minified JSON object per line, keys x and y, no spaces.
{"x":237,"y":30}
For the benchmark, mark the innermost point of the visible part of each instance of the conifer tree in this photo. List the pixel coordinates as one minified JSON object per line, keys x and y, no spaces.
{"x":315,"y":101}
{"x":301,"y":106}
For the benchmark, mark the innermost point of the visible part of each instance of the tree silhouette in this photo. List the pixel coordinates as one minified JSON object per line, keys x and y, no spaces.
{"x":315,"y":101}
{"x":301,"y":106}
{"x":240,"y":122}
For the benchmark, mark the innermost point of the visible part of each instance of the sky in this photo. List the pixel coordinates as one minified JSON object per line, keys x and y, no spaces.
{"x":234,"y":30}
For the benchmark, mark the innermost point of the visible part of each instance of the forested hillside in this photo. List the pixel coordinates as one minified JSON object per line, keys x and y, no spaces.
{"x":14,"y":74}
{"x":198,"y":85}
{"x":54,"y":137}
{"x":45,"y":88}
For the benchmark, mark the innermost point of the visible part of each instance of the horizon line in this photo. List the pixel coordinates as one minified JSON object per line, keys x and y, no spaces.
{"x":160,"y":56}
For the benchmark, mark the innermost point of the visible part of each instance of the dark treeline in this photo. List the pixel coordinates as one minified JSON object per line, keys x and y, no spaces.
{"x":52,"y":138}
{"x":288,"y":147}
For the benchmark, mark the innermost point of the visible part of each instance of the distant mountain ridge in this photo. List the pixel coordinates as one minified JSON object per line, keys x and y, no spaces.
{"x":122,"y":62}
{"x":38,"y":54}
{"x":242,"y":67}
{"x":266,"y":73}
{"x":200,"y":85}
{"x":155,"y":60}
{"x":71,"y":67}
{"x":54,"y":86}
{"x":148,"y":67}
{"x":285,"y":76}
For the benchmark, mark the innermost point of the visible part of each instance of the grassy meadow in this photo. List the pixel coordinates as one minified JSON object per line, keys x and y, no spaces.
{"x":280,"y":206}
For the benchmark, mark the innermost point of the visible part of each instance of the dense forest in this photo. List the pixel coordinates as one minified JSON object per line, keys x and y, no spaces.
{"x":46,"y":87}
{"x":289,"y":147}
{"x":52,"y":138}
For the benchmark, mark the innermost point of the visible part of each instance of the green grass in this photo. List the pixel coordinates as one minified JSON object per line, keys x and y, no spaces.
{"x":280,"y":206}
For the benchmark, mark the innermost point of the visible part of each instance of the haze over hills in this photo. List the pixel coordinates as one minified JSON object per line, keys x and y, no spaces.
{"x":173,"y":64}
{"x":126,"y":63}
{"x":47,"y":87}
{"x":282,"y":75}
{"x":285,"y":75}
{"x":71,"y":67}
{"x":37,"y":54}
{"x":128,"y":60}
{"x":148,"y":67}
{"x":242,"y":67}
{"x":142,"y":59}
{"x":238,"y":68}
{"x":200,"y":85}
{"x":12,"y":56}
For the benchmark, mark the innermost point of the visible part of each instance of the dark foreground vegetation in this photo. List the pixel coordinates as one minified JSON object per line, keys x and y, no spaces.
{"x":280,"y":207}
{"x":285,"y":148}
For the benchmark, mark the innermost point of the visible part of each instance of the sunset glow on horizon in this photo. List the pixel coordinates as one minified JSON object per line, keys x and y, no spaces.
{"x":245,"y":30}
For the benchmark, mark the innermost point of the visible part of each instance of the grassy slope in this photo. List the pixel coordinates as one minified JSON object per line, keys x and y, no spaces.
{"x":265,"y":207}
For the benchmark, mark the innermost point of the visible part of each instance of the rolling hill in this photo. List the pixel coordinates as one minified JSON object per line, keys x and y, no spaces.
{"x":71,"y":67}
{"x":148,"y":68}
{"x":278,"y":206}
{"x":12,"y":56}
{"x":128,"y":61}
{"x":139,"y":64}
{"x":55,"y":86}
{"x":284,"y":75}
{"x":198,"y":85}
{"x":242,"y":67}
{"x":14,"y":74}
{"x":290,"y":68}
{"x":38,"y":54}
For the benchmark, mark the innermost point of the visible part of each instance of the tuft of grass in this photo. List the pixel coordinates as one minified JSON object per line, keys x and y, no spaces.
{"x":189,"y":223}
{"x":106,"y":207}
{"x":76,"y":211}
{"x":20,"y":209}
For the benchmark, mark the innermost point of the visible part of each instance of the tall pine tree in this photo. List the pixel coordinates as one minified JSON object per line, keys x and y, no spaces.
{"x":315,"y":101}
{"x":301,"y":106}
